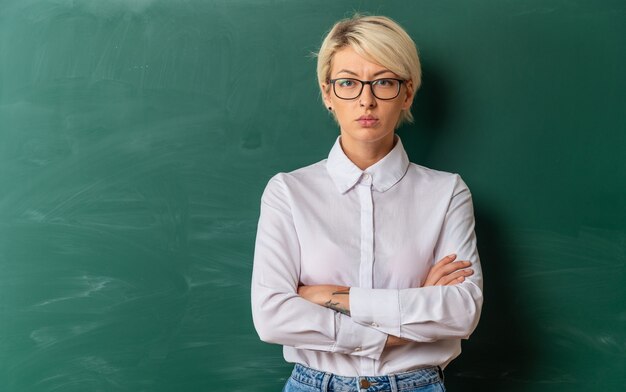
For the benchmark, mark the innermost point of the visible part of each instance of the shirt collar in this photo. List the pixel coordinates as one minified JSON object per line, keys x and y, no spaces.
{"x":384,"y":173}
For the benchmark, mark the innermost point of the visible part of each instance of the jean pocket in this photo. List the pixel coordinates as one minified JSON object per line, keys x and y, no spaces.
{"x":293,"y":385}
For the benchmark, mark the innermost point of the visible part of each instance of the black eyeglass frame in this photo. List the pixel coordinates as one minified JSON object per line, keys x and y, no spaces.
{"x":370,"y":82}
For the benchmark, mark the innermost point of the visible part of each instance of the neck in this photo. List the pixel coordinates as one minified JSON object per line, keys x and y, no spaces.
{"x":365,"y":154}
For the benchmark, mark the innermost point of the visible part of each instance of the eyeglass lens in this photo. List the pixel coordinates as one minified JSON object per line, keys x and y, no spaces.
{"x":381,"y":88}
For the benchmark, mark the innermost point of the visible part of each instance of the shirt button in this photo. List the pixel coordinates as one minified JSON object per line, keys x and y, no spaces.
{"x":357,"y":349}
{"x":375,"y":325}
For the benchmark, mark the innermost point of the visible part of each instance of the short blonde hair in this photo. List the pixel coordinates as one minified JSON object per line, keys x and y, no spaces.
{"x":380,"y":40}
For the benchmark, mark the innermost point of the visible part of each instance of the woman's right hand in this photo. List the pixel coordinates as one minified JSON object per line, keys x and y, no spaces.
{"x":447,"y":272}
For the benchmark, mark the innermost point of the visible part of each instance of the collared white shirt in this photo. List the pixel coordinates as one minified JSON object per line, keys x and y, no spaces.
{"x":377,"y":231}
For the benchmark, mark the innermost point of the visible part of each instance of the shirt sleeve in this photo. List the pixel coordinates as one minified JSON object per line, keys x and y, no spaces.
{"x":280,"y":315}
{"x":431,"y":313}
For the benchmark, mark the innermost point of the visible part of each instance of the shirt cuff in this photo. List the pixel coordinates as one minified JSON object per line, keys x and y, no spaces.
{"x":356,"y":339}
{"x":377,"y":308}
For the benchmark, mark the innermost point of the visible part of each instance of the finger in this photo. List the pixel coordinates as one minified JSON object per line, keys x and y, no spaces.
{"x":438,"y":270}
{"x":446,"y":260}
{"x":442,"y":268}
{"x":452,"y":278}
{"x":442,"y":264}
{"x":453,"y":267}
{"x":449,"y":279}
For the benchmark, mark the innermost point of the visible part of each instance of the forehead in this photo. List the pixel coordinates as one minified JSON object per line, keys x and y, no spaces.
{"x":347,"y":61}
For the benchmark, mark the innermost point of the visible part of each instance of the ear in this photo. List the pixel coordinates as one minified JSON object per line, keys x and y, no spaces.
{"x":410,"y":94}
{"x":326,"y":94}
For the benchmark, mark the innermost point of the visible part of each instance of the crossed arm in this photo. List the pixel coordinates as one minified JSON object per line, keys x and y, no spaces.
{"x":447,"y":306}
{"x":446,"y":272}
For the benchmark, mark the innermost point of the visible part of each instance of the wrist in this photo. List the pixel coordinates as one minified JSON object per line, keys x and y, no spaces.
{"x":338,"y":299}
{"x":393,"y":341}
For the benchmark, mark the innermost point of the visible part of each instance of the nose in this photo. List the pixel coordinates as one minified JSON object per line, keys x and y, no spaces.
{"x":367,"y":98}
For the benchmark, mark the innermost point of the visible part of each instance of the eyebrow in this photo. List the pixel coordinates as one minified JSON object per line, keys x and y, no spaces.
{"x":375,"y":74}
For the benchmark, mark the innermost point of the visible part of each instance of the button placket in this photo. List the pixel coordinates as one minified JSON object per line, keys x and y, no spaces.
{"x":366,"y":266}
{"x":367,"y":232}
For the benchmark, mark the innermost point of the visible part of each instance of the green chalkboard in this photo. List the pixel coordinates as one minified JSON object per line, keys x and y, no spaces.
{"x":136,"y":137}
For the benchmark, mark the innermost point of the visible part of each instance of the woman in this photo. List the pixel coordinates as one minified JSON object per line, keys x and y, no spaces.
{"x":365,"y":267}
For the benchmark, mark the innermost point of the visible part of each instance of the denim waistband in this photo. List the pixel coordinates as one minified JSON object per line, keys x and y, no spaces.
{"x":393,"y":382}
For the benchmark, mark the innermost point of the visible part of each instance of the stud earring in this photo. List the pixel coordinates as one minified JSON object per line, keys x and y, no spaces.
{"x":330,"y":108}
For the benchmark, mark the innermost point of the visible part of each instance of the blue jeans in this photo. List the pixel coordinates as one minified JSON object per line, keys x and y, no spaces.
{"x":304,"y":379}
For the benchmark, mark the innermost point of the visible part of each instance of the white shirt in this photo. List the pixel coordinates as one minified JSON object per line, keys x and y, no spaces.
{"x":377,"y":231}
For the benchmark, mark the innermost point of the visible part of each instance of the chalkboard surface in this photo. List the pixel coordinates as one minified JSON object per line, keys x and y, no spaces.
{"x":136,"y":137}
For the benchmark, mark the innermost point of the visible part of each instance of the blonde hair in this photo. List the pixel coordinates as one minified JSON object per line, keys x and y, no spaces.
{"x":380,"y":40}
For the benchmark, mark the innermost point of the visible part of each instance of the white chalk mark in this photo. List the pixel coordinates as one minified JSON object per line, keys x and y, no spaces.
{"x":94,"y":284}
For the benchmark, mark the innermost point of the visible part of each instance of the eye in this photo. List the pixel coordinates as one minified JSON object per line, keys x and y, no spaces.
{"x":346,"y":83}
{"x":386,"y":83}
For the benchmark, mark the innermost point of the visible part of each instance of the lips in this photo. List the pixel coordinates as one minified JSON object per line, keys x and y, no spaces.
{"x":367,"y":120}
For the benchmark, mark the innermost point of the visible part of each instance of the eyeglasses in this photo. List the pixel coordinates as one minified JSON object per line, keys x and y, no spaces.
{"x":348,"y":88}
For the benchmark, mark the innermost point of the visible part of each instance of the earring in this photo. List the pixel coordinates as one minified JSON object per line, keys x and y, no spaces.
{"x":330,"y":108}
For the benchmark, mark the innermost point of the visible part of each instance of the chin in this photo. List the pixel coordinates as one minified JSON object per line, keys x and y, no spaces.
{"x":368,"y":134}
